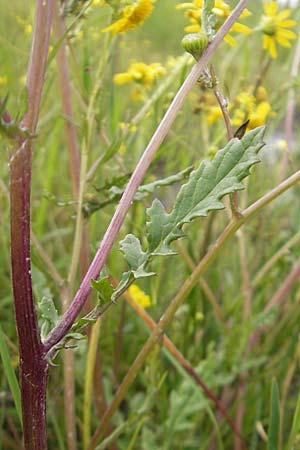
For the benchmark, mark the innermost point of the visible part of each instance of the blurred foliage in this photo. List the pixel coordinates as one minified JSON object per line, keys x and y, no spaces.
{"x":177,"y":414}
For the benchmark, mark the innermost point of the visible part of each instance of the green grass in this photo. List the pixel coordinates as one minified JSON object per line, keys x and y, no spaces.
{"x":177,"y":414}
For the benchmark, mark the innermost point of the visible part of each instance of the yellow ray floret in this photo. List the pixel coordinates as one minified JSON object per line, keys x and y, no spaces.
{"x":131,"y":16}
{"x":275,"y":27}
{"x":221,"y":9}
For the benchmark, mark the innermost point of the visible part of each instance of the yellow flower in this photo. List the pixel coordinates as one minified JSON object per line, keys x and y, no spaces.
{"x":3,"y":79}
{"x":259,"y":116}
{"x":141,"y":73}
{"x":213,"y":114}
{"x":131,"y":16}
{"x":221,"y":10}
{"x":139,"y":296}
{"x":256,"y":108}
{"x":26,"y":26}
{"x":275,"y":27}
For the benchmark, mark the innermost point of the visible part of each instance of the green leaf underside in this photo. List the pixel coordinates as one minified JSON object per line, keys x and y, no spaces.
{"x":203,"y":192}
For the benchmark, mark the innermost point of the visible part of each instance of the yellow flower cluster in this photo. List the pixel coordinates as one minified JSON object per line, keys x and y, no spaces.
{"x":222,"y":10}
{"x":139,"y":296}
{"x":245,"y":106}
{"x":275,"y":27}
{"x":256,"y":108}
{"x":131,"y":16}
{"x":141,"y":73}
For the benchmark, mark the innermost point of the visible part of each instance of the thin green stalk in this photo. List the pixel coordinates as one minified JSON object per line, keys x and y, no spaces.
{"x":276,"y":257}
{"x":179,"y":298}
{"x":135,"y":434}
{"x":88,"y":385}
{"x":89,"y":122}
{"x":204,"y":286}
{"x":10,"y":375}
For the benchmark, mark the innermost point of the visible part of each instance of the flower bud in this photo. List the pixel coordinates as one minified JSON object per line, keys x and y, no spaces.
{"x":195,"y":43}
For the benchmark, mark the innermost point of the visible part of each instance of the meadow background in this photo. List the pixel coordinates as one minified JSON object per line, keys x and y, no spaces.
{"x":215,"y":328}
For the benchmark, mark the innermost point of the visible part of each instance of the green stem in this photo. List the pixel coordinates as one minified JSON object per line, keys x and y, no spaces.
{"x":88,"y":385}
{"x":89,"y":122}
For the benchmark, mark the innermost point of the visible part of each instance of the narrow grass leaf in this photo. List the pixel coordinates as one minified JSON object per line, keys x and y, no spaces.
{"x":10,"y":374}
{"x":295,"y":427}
{"x":274,"y":421}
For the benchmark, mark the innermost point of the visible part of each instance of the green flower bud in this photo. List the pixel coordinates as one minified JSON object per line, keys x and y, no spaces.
{"x":195,"y":43}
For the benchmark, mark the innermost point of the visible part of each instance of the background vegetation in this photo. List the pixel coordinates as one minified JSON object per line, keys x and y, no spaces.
{"x":234,"y":341}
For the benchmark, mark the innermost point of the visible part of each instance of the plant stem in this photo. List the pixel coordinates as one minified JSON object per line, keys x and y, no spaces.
{"x":111,"y":233}
{"x":179,"y":298}
{"x":273,"y":260}
{"x":33,"y":365}
{"x":204,"y":286}
{"x":65,"y":88}
{"x":90,"y":365}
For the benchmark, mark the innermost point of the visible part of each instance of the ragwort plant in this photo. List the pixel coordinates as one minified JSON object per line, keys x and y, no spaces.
{"x":43,"y":332}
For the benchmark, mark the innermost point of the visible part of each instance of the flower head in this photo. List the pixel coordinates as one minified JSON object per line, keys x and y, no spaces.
{"x":275,"y":27}
{"x":221,"y":10}
{"x":254,"y":107}
{"x":140,"y":73}
{"x":131,"y":16}
{"x":139,"y":296}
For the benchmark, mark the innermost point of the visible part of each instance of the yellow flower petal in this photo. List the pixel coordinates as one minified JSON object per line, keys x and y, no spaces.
{"x":288,"y":34}
{"x":283,"y":15}
{"x":241,"y":28}
{"x":283,"y":41}
{"x":131,"y":16}
{"x":230,"y":40}
{"x":122,"y":78}
{"x":271,"y":8}
{"x":272,"y":48}
{"x":192,"y":28}
{"x":287,"y":23}
{"x":139,"y":296}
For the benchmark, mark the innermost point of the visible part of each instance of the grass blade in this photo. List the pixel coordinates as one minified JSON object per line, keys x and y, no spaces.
{"x":274,"y":421}
{"x":295,"y":427}
{"x":10,"y":374}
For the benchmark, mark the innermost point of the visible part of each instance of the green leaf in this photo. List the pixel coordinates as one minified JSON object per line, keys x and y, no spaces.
{"x":274,"y":420}
{"x":295,"y":427}
{"x":114,"y":190}
{"x":202,"y":193}
{"x":124,"y":283}
{"x":204,"y":190}
{"x":48,"y":315}
{"x":134,"y":255}
{"x":104,"y":289}
{"x":10,"y":374}
{"x":150,"y":187}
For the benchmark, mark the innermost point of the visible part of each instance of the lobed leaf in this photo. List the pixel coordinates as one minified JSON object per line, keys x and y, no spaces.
{"x":204,"y":190}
